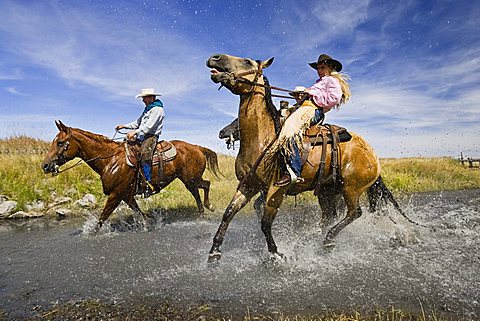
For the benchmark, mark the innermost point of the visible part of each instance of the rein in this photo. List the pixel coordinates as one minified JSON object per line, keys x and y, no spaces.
{"x":254,"y":83}
{"x":86,"y":162}
{"x":81,"y":160}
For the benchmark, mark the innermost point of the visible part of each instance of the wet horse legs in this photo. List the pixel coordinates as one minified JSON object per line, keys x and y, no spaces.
{"x":328,"y":204}
{"x":236,"y":204}
{"x":274,"y":200}
{"x":147,"y":217}
{"x":205,"y":185}
{"x":353,"y":212}
{"x":112,"y":202}
{"x":193,"y":189}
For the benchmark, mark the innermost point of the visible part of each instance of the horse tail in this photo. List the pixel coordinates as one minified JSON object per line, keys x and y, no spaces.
{"x":379,"y":191}
{"x":212,"y":161}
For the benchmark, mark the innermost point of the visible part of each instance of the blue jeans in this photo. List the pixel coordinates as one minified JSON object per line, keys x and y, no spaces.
{"x":295,"y":159}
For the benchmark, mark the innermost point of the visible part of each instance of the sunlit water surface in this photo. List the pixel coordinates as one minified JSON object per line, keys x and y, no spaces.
{"x":375,"y":263}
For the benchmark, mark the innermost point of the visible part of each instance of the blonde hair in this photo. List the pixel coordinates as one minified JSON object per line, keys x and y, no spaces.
{"x":343,"y":79}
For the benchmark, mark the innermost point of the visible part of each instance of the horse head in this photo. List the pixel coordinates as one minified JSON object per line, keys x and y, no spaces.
{"x":228,"y":70}
{"x":61,"y":150}
{"x":230,"y":133}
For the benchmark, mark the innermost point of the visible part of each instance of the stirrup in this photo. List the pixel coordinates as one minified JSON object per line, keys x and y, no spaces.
{"x":293,"y":177}
{"x":150,"y":190}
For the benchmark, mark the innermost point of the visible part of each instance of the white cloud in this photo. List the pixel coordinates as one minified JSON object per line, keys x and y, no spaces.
{"x":14,"y":91}
{"x":85,"y":47}
{"x":417,"y":92}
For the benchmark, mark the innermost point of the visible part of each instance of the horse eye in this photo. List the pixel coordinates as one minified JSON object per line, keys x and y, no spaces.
{"x":60,"y":144}
{"x":247,"y":61}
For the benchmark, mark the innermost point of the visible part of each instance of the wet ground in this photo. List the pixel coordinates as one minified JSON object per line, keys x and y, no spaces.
{"x":47,"y":264}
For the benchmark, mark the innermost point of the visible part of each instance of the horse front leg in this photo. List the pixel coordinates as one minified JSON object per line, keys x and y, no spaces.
{"x":275,"y":198}
{"x":148,"y":218}
{"x":112,"y":202}
{"x":236,"y":204}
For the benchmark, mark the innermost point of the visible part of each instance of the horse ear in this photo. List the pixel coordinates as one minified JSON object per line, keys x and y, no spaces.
{"x":266,"y":63}
{"x":61,"y":127}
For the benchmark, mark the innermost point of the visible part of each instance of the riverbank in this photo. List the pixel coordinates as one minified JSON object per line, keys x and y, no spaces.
{"x":148,"y":309}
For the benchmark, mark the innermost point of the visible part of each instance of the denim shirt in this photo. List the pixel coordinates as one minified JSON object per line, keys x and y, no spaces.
{"x":150,"y":122}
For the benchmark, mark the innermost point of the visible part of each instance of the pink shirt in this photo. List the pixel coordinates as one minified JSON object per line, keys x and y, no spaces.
{"x":326,"y":92}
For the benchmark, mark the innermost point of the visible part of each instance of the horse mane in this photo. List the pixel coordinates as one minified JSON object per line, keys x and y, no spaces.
{"x":272,"y":110}
{"x":96,"y":137}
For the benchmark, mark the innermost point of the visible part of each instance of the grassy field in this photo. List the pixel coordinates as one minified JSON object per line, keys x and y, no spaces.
{"x":22,"y":179}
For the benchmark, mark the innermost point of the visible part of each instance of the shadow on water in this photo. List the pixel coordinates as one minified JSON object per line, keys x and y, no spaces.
{"x":375,"y":263}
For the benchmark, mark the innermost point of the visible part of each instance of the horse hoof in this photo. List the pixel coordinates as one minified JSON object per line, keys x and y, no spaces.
{"x":214,"y":256}
{"x":329,"y":245}
{"x":277,"y":257}
{"x":150,"y":227}
{"x":97,"y":228}
{"x":211,"y":208}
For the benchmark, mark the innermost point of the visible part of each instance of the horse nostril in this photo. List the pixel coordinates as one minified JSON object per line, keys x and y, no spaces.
{"x":45,"y":167}
{"x":216,"y":57}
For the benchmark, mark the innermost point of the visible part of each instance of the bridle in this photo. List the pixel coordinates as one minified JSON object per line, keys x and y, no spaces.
{"x":240,"y":78}
{"x":60,"y":158}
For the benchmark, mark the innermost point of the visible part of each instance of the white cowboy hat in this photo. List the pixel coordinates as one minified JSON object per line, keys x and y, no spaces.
{"x":299,"y":89}
{"x":147,"y":92}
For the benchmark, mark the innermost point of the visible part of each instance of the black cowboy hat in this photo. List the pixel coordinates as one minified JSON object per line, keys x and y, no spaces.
{"x":323,"y":58}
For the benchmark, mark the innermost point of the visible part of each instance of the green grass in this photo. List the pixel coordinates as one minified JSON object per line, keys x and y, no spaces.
{"x":409,"y":175}
{"x":23,"y":180}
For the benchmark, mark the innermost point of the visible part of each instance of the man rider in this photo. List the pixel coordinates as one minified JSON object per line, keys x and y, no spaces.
{"x":146,"y":130}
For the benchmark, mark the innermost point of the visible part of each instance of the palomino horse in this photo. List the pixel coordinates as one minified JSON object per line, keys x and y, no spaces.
{"x":107,"y":158}
{"x":258,"y":122}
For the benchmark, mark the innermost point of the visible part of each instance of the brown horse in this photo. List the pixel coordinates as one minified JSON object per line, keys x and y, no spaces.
{"x":258,"y":123}
{"x":107,"y":158}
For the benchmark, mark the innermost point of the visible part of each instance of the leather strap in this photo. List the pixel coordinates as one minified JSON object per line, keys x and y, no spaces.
{"x":322,"y":163}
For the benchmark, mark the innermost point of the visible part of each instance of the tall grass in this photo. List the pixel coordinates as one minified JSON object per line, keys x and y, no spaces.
{"x":410,"y":175}
{"x":23,"y":180}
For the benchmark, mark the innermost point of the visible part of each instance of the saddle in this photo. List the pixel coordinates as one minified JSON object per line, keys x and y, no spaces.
{"x":317,"y":134}
{"x":164,"y":152}
{"x":321,"y":135}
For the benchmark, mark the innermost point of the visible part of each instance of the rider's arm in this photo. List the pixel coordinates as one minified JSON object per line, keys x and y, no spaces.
{"x":326,"y":93}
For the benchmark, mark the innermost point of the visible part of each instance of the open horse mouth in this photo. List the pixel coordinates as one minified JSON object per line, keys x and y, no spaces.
{"x":217,"y":75}
{"x":218,"y":70}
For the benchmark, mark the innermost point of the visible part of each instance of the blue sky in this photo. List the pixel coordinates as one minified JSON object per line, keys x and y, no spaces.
{"x":414,"y":65}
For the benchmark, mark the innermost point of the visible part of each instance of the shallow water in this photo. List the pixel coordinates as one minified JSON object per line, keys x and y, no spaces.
{"x":375,"y":263}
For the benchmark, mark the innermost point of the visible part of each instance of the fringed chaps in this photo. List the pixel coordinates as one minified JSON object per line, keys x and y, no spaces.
{"x":293,"y":130}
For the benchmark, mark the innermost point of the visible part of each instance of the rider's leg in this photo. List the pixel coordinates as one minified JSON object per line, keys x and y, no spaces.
{"x":148,"y":149}
{"x":318,"y":117}
{"x":294,"y":168}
